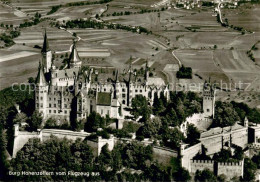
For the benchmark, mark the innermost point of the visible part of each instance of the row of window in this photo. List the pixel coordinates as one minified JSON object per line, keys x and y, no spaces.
{"x":55,"y":111}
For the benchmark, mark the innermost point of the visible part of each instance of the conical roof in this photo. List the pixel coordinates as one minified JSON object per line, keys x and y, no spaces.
{"x":74,"y":56}
{"x":45,"y":46}
{"x":40,"y":79}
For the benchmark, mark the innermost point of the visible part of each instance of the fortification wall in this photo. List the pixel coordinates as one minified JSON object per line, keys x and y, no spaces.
{"x":188,"y":153}
{"x":230,"y":169}
{"x":164,"y":155}
{"x":71,"y":135}
{"x":201,"y":165}
{"x":212,"y":143}
{"x":21,"y":138}
{"x":97,"y":145}
{"x":199,"y":120}
{"x":240,"y":137}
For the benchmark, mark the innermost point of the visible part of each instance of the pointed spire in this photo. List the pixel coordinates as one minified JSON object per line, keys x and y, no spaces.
{"x":45,"y":47}
{"x":40,"y":80}
{"x":74,"y":56}
{"x":116,"y":79}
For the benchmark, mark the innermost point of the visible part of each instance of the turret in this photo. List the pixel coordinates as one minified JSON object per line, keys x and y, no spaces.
{"x":46,"y":54}
{"x":41,"y":92}
{"x":209,"y":100}
{"x":74,"y":59}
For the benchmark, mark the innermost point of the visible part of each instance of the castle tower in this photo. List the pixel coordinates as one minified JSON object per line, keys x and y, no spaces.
{"x":41,"y":92}
{"x":209,"y":100}
{"x":46,"y":54}
{"x":74,"y":59}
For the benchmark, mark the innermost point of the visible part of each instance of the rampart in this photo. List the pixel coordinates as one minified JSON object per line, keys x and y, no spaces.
{"x":229,"y":169}
{"x":188,"y":153}
{"x":22,"y":137}
{"x":97,"y":144}
{"x":200,"y":165}
{"x":163,"y":154}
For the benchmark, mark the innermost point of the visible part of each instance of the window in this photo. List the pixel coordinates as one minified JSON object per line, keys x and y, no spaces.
{"x":123,"y":90}
{"x":54,"y":111}
{"x":37,"y":105}
{"x":207,"y":110}
{"x":141,"y":91}
{"x":41,"y":105}
{"x":50,"y":98}
{"x":65,"y":112}
{"x":37,"y":98}
{"x":101,"y":111}
{"x":54,"y":99}
{"x":65,"y":105}
{"x":49,"y":111}
{"x":136,"y":90}
{"x":123,"y":95}
{"x":41,"y":98}
{"x":123,"y":101}
{"x":108,"y":112}
{"x":105,"y":89}
{"x":49,"y":105}
{"x":54,"y":105}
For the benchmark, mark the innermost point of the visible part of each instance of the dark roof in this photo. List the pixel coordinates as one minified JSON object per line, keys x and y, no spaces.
{"x":45,"y":46}
{"x":103,"y":98}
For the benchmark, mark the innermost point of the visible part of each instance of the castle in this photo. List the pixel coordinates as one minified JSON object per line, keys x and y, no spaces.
{"x":76,"y":90}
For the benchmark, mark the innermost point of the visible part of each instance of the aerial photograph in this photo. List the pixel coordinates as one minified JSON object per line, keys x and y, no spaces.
{"x":130,"y":90}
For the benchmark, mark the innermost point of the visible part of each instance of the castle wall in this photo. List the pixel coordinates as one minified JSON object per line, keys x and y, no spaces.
{"x":21,"y":138}
{"x":212,"y":143}
{"x":71,"y":135}
{"x":189,"y":153}
{"x":201,"y":165}
{"x":97,"y":145}
{"x":240,"y":137}
{"x":215,"y":142}
{"x":199,"y":120}
{"x":164,"y":155}
{"x":230,"y":169}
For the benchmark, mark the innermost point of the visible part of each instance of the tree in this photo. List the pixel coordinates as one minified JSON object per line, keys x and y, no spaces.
{"x":193,"y":135}
{"x":20,"y":118}
{"x":140,"y":107}
{"x":150,"y":128}
{"x":94,"y":121}
{"x":205,"y":176}
{"x":171,"y":117}
{"x":3,"y":158}
{"x":35,"y":121}
{"x":182,"y":175}
{"x":223,"y":156}
{"x":249,"y":170}
{"x":225,"y":115}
